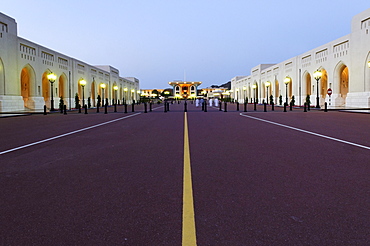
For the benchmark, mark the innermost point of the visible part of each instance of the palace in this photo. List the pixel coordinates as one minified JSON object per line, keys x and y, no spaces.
{"x":345,"y":70}
{"x":26,"y":86}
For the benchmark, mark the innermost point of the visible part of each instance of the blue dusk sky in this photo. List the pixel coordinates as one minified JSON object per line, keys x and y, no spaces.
{"x":205,"y":40}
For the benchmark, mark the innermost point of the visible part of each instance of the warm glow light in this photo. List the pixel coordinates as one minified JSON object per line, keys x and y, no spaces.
{"x":82,"y":82}
{"x":125,"y":89}
{"x":115,"y":87}
{"x":268,"y":83}
{"x":254,"y":86}
{"x":368,"y":63}
{"x":166,"y":92}
{"x":317,"y":74}
{"x":287,"y":80}
{"x":244,"y":88}
{"x":133,"y":90}
{"x":102,"y":85}
{"x":52,"y":77}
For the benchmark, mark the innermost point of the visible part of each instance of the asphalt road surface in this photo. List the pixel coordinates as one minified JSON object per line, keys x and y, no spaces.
{"x":256,"y":178}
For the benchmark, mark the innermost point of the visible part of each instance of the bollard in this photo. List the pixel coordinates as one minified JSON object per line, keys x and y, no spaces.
{"x":44,"y":109}
{"x":264,"y":107}
{"x":165,"y":108}
{"x":305,"y":107}
{"x":308,"y":107}
{"x":61,"y":108}
{"x":125,"y":108}
{"x":65,"y":109}
{"x":79,"y":108}
{"x":202,"y":106}
{"x":115,"y":107}
{"x":237,"y":106}
{"x":285,"y":107}
{"x":255,"y":105}
{"x":168,"y":106}
{"x":326,"y":107}
{"x":97,"y":108}
{"x":245,"y":107}
{"x":272,"y":106}
{"x":185,"y":107}
{"x":225,"y":107}
{"x":106,"y":108}
{"x":205,"y":106}
{"x":291,"y":106}
{"x":85,"y":106}
{"x":145,"y":111}
{"x":150,"y":107}
{"x":133,"y":107}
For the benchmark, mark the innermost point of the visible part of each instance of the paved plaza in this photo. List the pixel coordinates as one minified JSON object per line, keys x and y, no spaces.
{"x":252,"y":178}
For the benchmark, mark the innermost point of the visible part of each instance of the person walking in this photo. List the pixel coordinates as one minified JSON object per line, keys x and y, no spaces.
{"x":197,"y":102}
{"x":216,"y":102}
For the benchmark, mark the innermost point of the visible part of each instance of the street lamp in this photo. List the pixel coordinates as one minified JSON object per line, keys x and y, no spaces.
{"x":132,"y":95}
{"x":317,"y":75}
{"x":287,"y":80}
{"x":254,"y":86}
{"x":102,"y":86}
{"x":115,"y":88}
{"x":52,"y":77}
{"x":268,"y":83}
{"x":83,"y":83}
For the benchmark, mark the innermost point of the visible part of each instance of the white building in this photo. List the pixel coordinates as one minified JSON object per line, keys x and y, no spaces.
{"x":345,"y":67}
{"x":24,"y":67}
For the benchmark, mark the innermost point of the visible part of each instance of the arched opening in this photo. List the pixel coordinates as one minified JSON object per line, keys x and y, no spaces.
{"x":27,"y":84}
{"x":93,"y":93}
{"x":62,"y":86}
{"x":324,"y":86}
{"x":2,"y":78}
{"x":344,"y":80}
{"x":277,"y":90}
{"x":46,"y":89}
{"x":290,"y":90}
{"x":307,"y":83}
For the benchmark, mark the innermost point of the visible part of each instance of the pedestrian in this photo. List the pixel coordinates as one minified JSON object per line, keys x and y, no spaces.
{"x":216,"y":102}
{"x":210,"y":102}
{"x":197,"y":102}
{"x":201,"y":101}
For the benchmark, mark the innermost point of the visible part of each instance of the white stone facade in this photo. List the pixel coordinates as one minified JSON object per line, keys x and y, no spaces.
{"x":24,"y":66}
{"x":344,"y":64}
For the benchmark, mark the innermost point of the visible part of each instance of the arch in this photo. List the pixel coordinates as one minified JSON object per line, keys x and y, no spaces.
{"x":341,"y":83}
{"x":324,"y":84}
{"x":367,"y":73}
{"x":46,"y":94}
{"x":307,"y":84}
{"x":2,"y":78}
{"x":277,"y":90}
{"x":62,"y":86}
{"x":27,"y":84}
{"x":92,"y":95}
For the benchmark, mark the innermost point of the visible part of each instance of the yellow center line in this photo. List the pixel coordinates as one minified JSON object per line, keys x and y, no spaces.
{"x":188,"y":217}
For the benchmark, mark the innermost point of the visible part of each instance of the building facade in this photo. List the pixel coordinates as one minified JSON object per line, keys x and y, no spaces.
{"x":345,"y":69}
{"x":24,"y":70}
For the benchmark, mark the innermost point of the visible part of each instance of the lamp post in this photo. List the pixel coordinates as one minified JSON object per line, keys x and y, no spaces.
{"x":287,"y":80}
{"x":254,"y":86}
{"x":83,"y":83}
{"x":102,"y":86}
{"x":52,"y":77}
{"x":115,"y":88}
{"x":132,"y":95}
{"x":268,"y":83}
{"x":317,"y":75}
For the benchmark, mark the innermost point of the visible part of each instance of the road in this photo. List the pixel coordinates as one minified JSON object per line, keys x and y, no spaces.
{"x":257,"y":178}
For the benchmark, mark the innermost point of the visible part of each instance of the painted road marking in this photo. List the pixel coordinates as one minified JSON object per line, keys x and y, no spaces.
{"x":188,"y":217}
{"x":66,"y":134}
{"x":308,"y":132}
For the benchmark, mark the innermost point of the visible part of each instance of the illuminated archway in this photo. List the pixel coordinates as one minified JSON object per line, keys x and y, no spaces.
{"x":277,"y":89}
{"x":46,"y":88}
{"x":307,"y":82}
{"x":27,"y":85}
{"x":93,"y":93}
{"x":62,"y":87}
{"x":323,"y":84}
